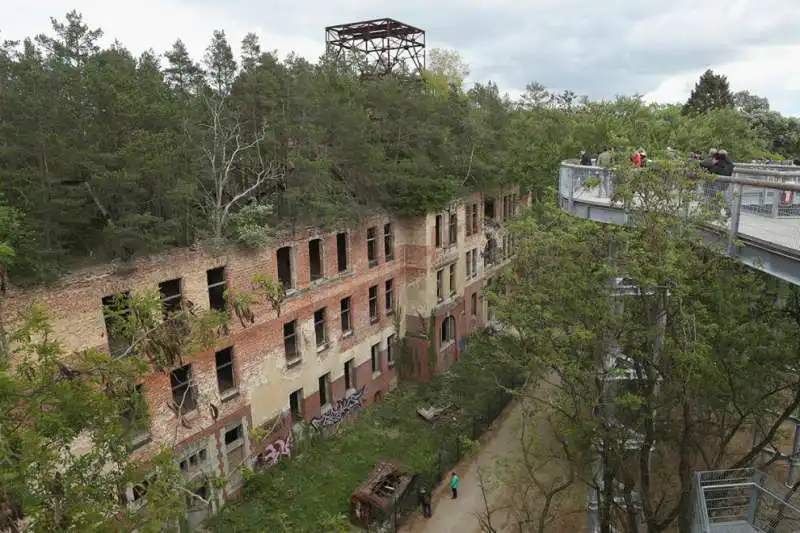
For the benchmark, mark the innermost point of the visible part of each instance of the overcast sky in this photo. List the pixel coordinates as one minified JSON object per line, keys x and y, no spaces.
{"x":599,"y":48}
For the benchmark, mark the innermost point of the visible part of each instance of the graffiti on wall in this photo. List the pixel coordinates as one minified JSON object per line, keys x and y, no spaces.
{"x":340,"y":410}
{"x":277,"y":444}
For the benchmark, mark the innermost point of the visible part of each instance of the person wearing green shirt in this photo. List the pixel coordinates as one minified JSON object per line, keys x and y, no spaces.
{"x":454,"y":480}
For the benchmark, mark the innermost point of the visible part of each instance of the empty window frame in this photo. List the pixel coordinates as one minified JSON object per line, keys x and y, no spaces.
{"x":134,"y":418}
{"x":390,"y":342}
{"x":468,"y":264}
{"x":448,"y":330}
{"x":116,"y":311}
{"x":372,"y":246}
{"x":373,"y":304}
{"x":170,"y":292}
{"x":375,"y":357}
{"x":315,"y":259}
{"x":452,"y":276}
{"x":320,"y":333}
{"x":345,"y":309}
{"x":325,"y":396}
{"x":183,"y":390}
{"x":474,"y":304}
{"x":234,"y":447}
{"x":388,"y":242}
{"x":474,"y":262}
{"x":440,"y":284}
{"x":296,"y":405}
{"x":284,"y":257}
{"x":226,"y":381}
{"x":217,"y":284}
{"x":475,"y":218}
{"x":341,"y":252}
{"x":439,"y":237}
{"x":350,"y":374}
{"x":290,"y":347}
{"x":452,"y":229}
{"x":389,"y":297}
{"x":488,"y":208}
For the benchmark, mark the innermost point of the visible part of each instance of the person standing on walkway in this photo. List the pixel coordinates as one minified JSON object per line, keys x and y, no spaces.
{"x":425,"y":502}
{"x":454,"y":480}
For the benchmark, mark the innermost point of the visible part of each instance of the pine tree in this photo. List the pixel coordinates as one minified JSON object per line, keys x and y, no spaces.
{"x":711,"y":91}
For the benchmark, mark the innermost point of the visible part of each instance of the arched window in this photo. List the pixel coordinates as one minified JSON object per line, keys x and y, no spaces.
{"x":448,"y":330}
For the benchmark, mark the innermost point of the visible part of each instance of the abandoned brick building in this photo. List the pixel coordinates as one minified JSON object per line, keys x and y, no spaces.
{"x":350,"y":294}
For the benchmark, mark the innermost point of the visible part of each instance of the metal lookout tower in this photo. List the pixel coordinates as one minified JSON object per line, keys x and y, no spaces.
{"x":389,"y":46}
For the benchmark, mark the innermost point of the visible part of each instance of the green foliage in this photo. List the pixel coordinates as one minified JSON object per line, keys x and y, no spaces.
{"x":310,"y":492}
{"x":703,"y":373}
{"x":712,"y":91}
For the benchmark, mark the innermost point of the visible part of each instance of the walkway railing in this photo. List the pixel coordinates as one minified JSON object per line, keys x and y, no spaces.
{"x":762,"y":203}
{"x":727,"y":500}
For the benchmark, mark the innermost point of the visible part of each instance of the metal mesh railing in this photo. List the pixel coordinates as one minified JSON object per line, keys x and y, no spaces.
{"x":768,"y":210}
{"x":737,"y":498}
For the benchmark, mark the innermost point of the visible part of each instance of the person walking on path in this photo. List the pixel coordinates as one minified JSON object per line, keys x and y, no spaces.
{"x":425,"y":502}
{"x":454,"y":480}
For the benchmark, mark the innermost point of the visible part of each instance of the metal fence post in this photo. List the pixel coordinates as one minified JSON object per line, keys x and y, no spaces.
{"x":736,"y":210}
{"x":755,"y":497}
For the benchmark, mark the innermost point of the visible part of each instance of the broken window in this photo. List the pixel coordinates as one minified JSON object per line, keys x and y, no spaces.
{"x":488,"y":208}
{"x":345,"y":307}
{"x":116,"y":311}
{"x":474,"y":262}
{"x":216,"y":288}
{"x":234,"y":447}
{"x":474,"y":218}
{"x":373,"y":303}
{"x":474,"y":304}
{"x":388,"y":242}
{"x":468,"y":264}
{"x":372,"y":245}
{"x":296,"y":405}
{"x":452,"y":230}
{"x":440,"y":284}
{"x":284,"y":256}
{"x":225,"y":377}
{"x":315,"y":259}
{"x":341,"y":251}
{"x":183,"y":391}
{"x":390,"y":340}
{"x":194,"y":463}
{"x":134,"y":418}
{"x":375,"y":356}
{"x":290,"y":341}
{"x":170,"y":296}
{"x":325,"y":390}
{"x":452,"y":278}
{"x":448,"y":330}
{"x":350,"y":374}
{"x":319,"y":327}
{"x":389,"y":301}
{"x":439,"y":229}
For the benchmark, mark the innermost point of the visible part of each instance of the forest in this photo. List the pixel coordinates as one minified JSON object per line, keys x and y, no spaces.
{"x":106,"y":156}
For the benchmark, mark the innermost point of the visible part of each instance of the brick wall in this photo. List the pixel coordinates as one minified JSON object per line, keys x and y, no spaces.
{"x":263,"y":377}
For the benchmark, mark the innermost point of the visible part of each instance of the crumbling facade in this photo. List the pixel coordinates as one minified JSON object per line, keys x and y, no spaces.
{"x":330,"y":349}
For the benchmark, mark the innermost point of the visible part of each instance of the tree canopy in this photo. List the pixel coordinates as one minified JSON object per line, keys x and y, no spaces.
{"x":712,"y":91}
{"x":109,"y":156}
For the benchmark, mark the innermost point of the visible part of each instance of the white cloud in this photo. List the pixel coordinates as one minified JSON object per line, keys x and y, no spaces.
{"x":152,"y":24}
{"x":597,"y":49}
{"x":766,"y":71}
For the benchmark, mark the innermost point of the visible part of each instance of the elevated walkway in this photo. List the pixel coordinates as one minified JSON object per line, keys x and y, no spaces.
{"x":764,"y":204}
{"x":736,"y":501}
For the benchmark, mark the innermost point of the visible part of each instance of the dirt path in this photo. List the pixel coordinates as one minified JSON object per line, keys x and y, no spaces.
{"x":461,"y":515}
